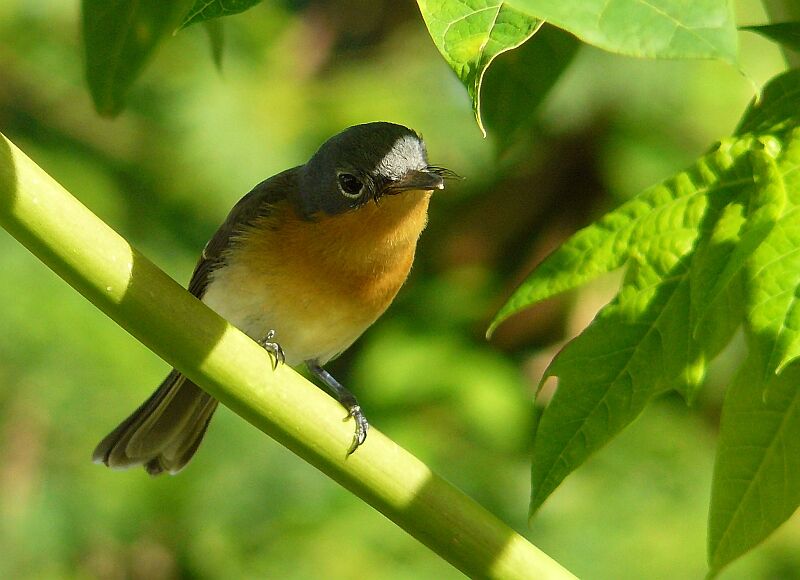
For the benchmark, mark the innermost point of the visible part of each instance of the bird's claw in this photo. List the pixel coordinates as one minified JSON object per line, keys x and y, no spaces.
{"x":362,"y":426}
{"x":274,"y":349}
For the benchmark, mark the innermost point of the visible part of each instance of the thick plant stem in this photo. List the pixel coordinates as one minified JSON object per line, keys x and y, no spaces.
{"x":156,"y":310}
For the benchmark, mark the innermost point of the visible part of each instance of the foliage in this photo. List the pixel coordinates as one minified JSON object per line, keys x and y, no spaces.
{"x":706,"y":251}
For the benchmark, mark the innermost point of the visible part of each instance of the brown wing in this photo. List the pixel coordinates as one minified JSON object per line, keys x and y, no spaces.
{"x":257,"y":203}
{"x":166,"y":430}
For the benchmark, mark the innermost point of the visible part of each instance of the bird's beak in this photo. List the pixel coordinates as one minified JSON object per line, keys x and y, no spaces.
{"x":417,"y":180}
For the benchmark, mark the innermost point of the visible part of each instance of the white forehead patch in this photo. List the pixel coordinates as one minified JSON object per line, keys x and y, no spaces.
{"x":406,"y":154}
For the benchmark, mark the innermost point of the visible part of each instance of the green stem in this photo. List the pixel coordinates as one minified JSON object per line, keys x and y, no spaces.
{"x":156,"y":310}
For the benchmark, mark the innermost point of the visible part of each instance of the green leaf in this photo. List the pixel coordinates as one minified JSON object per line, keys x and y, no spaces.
{"x":471,"y":33}
{"x":785,"y":33}
{"x":652,"y":28}
{"x":709,"y":250}
{"x":772,"y":113}
{"x":721,"y":256}
{"x":774,"y":269}
{"x":518,"y":82}
{"x":654,"y":219}
{"x":640,"y":344}
{"x":119,"y":37}
{"x":756,"y":485}
{"x":203,"y":10}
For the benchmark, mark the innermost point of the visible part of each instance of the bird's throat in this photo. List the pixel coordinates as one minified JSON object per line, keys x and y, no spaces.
{"x":378,"y":235}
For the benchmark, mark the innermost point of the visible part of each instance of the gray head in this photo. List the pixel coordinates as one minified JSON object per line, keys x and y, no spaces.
{"x":364,"y":163}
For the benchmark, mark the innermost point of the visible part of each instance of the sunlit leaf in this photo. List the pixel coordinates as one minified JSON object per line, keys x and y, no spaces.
{"x":663,"y":218}
{"x":471,"y":33}
{"x":711,"y":249}
{"x":653,"y":29}
{"x":640,"y":344}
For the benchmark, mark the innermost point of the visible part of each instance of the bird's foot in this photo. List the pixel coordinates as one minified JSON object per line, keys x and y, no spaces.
{"x":273,"y":348}
{"x":362,"y":426}
{"x":347,"y":400}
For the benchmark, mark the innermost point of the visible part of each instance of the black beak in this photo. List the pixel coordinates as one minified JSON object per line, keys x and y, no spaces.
{"x":419,"y":180}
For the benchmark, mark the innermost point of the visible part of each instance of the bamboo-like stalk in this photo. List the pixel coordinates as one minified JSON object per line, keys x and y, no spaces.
{"x":156,"y":310}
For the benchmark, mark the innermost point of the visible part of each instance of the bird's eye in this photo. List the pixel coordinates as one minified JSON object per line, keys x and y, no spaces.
{"x":350,"y":185}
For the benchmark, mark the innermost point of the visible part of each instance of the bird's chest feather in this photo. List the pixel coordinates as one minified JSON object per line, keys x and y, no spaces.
{"x":319,"y":284}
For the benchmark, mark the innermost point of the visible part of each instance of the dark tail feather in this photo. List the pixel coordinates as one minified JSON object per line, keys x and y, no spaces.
{"x":164,"y":432}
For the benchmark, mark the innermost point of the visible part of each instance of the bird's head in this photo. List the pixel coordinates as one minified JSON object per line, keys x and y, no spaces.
{"x":363,"y":164}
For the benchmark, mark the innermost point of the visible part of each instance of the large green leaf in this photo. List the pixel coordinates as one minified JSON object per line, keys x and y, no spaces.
{"x":471,"y":33}
{"x":119,"y":38}
{"x":713,"y":248}
{"x":652,"y":28}
{"x":641,"y":344}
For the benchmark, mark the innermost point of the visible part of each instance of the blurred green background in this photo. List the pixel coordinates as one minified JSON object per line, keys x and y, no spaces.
{"x":164,"y":174}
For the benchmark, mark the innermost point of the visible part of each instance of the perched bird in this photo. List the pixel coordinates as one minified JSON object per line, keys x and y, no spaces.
{"x":303,"y":264}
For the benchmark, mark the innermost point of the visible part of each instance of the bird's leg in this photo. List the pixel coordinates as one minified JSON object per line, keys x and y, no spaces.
{"x":347,"y":400}
{"x":273,"y":348}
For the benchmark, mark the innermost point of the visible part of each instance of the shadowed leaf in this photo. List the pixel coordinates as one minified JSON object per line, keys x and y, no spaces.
{"x":785,"y":33}
{"x":216,"y":40}
{"x":520,"y":80}
{"x":120,"y":37}
{"x":203,"y":10}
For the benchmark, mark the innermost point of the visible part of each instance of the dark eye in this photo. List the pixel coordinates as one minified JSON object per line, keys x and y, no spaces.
{"x":350,"y":185}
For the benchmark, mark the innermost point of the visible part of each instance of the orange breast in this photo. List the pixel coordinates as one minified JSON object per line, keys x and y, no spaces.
{"x":320,"y":284}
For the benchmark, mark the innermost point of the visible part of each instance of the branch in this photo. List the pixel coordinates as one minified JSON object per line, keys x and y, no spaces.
{"x":121,"y":282}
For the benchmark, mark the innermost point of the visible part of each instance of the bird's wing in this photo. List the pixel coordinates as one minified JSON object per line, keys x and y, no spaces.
{"x":257,"y":203}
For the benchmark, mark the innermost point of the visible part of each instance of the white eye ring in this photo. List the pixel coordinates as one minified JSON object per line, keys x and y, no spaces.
{"x":349,"y":185}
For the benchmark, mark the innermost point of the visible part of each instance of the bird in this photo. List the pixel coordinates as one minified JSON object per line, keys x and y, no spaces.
{"x":303,"y":264}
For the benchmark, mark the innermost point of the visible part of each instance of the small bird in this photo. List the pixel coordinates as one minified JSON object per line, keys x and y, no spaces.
{"x":303,"y":264}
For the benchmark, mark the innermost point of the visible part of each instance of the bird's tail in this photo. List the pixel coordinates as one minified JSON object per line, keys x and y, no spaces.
{"x":164,"y":432}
